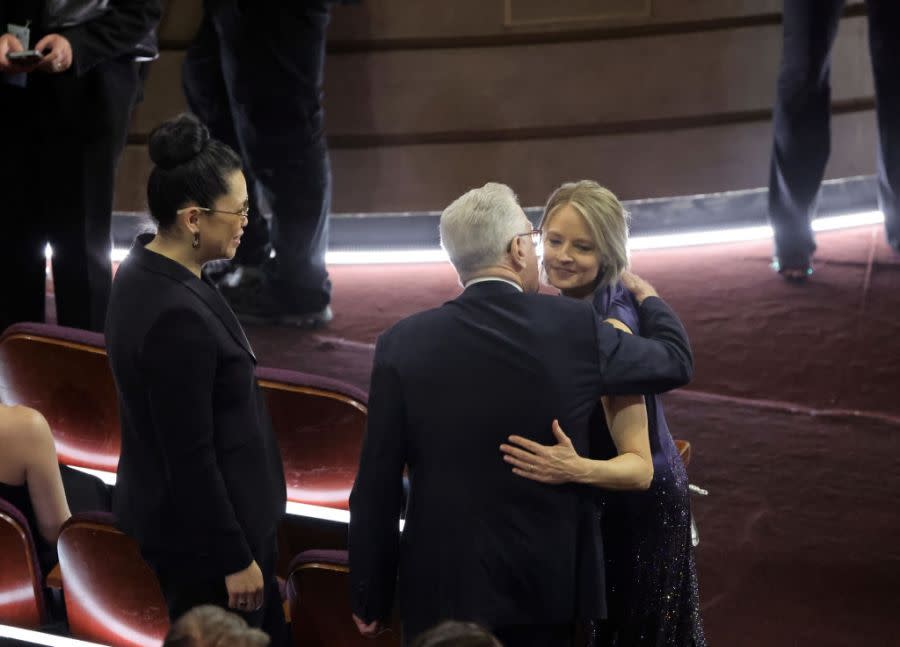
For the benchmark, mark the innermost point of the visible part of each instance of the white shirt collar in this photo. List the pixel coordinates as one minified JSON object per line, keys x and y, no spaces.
{"x":482,"y":279}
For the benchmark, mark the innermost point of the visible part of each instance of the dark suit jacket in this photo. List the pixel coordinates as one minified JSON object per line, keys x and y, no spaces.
{"x":126,"y":28}
{"x":448,"y":387}
{"x":200,"y":480}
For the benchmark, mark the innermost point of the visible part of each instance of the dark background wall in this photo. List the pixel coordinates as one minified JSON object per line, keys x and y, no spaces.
{"x":651,"y":97}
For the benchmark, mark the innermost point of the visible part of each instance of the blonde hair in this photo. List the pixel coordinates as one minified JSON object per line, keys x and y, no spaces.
{"x":477,"y":227}
{"x":211,"y":626}
{"x":606,"y":219}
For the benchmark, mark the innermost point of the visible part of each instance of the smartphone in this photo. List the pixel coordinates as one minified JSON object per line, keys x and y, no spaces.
{"x":28,"y":57}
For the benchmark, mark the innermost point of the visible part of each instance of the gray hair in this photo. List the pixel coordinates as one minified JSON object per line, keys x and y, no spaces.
{"x":477,"y":227}
{"x":606,"y":219}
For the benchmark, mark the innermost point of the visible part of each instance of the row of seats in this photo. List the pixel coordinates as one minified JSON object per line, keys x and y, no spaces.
{"x":111,"y":595}
{"x":64,"y":374}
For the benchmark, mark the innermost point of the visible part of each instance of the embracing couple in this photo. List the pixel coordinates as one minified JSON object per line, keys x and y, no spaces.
{"x":530,"y":450}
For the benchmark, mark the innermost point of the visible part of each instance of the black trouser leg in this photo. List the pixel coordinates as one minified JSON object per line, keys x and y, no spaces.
{"x":207,"y":96}
{"x":22,"y":263}
{"x":884,"y":45}
{"x":273,"y":59}
{"x":802,"y":124}
{"x":184,"y":590}
{"x":86,"y":124}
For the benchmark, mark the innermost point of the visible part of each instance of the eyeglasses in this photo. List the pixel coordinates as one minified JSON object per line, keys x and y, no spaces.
{"x":535,"y":237}
{"x":243,"y":213}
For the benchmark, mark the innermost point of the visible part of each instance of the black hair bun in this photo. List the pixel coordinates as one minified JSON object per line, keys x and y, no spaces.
{"x":177,"y":141}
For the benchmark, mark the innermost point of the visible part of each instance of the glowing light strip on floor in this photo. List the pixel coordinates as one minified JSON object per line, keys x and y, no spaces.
{"x":292,"y":507}
{"x":743,"y":234}
{"x":299,"y":509}
{"x":39,"y":638}
{"x":637,"y":243}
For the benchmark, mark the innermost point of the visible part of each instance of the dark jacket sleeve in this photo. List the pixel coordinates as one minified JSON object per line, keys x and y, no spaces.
{"x":657,"y":361}
{"x":375,"y":501}
{"x":113,"y":34}
{"x":179,"y":359}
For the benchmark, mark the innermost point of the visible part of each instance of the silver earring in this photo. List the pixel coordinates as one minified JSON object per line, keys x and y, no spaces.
{"x":196,"y":242}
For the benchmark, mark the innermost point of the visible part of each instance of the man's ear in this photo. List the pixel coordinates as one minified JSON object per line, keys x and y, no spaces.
{"x":517,"y":254}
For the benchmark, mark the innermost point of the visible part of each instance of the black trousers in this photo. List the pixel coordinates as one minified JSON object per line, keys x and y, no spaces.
{"x":184,"y":590}
{"x":254,"y":75}
{"x":62,"y":138}
{"x":802,"y":118}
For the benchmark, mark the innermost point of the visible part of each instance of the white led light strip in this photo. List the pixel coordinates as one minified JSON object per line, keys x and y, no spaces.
{"x":637,"y":243}
{"x":39,"y":638}
{"x":292,"y":508}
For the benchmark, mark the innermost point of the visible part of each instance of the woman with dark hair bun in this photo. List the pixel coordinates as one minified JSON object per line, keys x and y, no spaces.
{"x":200,"y":482}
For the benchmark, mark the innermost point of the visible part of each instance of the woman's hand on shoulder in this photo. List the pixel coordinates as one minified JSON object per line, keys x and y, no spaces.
{"x":640,"y":288}
{"x":552,"y":464}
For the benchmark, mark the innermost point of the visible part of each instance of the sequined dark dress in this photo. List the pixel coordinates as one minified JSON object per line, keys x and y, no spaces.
{"x":653,"y":597}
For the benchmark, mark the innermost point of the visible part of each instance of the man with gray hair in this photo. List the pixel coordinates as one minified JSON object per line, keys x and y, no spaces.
{"x":449,"y":386}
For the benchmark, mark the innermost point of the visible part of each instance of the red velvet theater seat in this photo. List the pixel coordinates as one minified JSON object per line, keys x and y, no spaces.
{"x":63,"y":373}
{"x":319,"y":423}
{"x":320,"y":606}
{"x":21,"y":593}
{"x":111,"y":595}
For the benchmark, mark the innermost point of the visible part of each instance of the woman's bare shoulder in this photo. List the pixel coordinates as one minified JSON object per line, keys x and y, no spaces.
{"x":19,"y":422}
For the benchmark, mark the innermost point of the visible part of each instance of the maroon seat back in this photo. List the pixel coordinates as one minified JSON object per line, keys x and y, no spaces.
{"x":21,"y":593}
{"x":111,"y":595}
{"x":318,"y":595}
{"x":319,"y":424}
{"x":64,"y":374}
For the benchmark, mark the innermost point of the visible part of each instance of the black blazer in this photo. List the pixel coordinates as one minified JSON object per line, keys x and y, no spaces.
{"x":200,"y":481}
{"x":448,"y":386}
{"x":126,"y":28}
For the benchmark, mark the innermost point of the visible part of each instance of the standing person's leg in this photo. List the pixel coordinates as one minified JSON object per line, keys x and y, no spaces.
{"x":884,"y":44}
{"x":207,"y":97}
{"x":184,"y":590}
{"x":802,"y":125}
{"x":271,"y":617}
{"x":88,"y":120}
{"x":22,"y":262}
{"x":273,"y":59}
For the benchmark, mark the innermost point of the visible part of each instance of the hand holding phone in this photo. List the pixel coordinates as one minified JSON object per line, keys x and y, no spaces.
{"x":25,"y":58}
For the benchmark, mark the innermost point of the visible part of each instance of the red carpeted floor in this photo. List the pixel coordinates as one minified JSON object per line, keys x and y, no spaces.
{"x":794,"y":417}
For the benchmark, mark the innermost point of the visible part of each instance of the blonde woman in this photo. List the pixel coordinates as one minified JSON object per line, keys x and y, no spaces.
{"x":651,"y":575}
